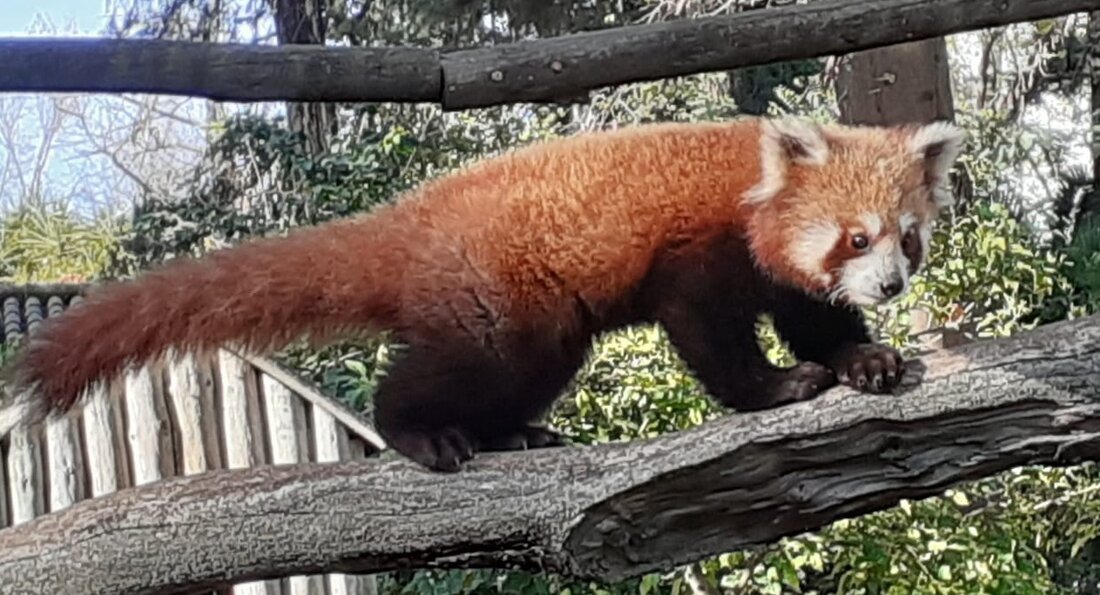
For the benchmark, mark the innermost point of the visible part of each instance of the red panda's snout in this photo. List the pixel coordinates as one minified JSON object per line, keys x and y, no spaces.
{"x":876,"y":276}
{"x":872,"y":262}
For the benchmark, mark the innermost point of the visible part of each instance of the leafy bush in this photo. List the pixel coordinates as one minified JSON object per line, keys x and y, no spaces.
{"x":259,"y":179}
{"x":986,"y":276}
{"x":49,"y":243}
{"x":1083,"y":269}
{"x":633,"y":386}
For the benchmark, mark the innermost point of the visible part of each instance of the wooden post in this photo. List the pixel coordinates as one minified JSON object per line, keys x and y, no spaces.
{"x":242,"y":435}
{"x":150,"y":452}
{"x":100,"y":440}
{"x":25,"y":476}
{"x":65,"y":464}
{"x":286,"y":422}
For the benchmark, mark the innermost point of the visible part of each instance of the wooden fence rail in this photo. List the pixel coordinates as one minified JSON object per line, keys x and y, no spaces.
{"x":544,"y":70}
{"x":178,"y":417}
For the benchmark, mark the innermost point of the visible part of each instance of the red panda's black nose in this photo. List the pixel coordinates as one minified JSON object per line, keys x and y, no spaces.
{"x":891,"y":289}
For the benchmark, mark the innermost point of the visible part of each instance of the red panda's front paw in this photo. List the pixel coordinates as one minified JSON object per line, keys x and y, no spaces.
{"x":869,"y":367}
{"x":801,"y":383}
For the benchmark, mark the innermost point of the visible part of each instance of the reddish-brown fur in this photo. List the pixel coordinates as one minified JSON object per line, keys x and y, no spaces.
{"x":507,"y":268}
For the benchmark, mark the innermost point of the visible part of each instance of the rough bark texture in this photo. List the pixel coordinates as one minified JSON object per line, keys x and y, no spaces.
{"x":604,"y":512}
{"x":302,"y":22}
{"x":553,"y":69}
{"x":223,"y":72}
{"x":903,"y":83}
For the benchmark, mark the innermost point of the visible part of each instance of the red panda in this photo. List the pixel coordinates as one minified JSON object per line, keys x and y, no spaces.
{"x":496,"y":278}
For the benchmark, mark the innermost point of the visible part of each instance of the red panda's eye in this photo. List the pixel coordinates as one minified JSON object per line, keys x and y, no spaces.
{"x":859,"y":241}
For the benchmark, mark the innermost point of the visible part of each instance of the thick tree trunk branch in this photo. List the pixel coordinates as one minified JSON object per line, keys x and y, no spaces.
{"x":551,"y":69}
{"x":604,"y":512}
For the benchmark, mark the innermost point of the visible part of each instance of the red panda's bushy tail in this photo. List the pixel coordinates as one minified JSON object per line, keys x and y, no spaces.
{"x":257,"y":296}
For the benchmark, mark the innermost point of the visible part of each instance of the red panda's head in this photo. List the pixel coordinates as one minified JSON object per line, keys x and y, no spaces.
{"x":846,"y":212}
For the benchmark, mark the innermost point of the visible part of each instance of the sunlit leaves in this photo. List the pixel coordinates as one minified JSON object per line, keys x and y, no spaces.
{"x":46,"y":242}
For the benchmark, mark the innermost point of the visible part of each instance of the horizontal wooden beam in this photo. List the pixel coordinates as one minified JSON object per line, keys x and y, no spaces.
{"x":545,"y":70}
{"x":602,"y":512}
{"x":559,"y":67}
{"x":224,"y":72}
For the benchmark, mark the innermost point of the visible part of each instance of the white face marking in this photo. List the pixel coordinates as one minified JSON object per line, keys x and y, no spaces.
{"x":872,"y":223}
{"x":909,"y":221}
{"x":812,"y":245}
{"x":864,"y":279}
{"x":906,"y":221}
{"x":925,"y":234}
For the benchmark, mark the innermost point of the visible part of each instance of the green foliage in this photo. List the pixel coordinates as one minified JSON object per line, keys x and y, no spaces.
{"x":1083,"y":269}
{"x":49,"y":243}
{"x":349,"y":370}
{"x":986,"y":276}
{"x":258,"y":178}
{"x":633,"y":386}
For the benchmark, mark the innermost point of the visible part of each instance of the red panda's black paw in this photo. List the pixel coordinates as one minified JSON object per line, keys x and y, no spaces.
{"x":870,"y":367}
{"x":802,"y":383}
{"x":530,"y":437}
{"x":439,"y":451}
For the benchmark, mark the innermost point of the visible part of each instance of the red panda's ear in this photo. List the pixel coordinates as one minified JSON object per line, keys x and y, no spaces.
{"x":786,"y":141}
{"x":937,"y":146}
{"x":795,"y":140}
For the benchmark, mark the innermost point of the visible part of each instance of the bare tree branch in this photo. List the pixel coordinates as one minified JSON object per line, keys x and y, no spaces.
{"x":26,"y":148}
{"x":552,"y":69}
{"x":605,"y":512}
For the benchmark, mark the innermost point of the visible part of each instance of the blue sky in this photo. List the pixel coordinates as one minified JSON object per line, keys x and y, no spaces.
{"x":17,"y":15}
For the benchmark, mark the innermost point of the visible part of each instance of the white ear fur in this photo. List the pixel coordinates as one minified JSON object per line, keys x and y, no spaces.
{"x":937,"y":145}
{"x":784,"y":141}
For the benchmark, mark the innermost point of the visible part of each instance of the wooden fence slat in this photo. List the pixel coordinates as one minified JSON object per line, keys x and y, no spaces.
{"x":185,"y":396}
{"x":242,"y":430}
{"x":286,"y":418}
{"x":99,"y":443}
{"x":144,"y":428}
{"x":192,"y":413}
{"x":65,"y":467}
{"x":25,"y":475}
{"x":305,"y":391}
{"x":206,"y":366}
{"x":242,"y":435}
{"x":357,"y":449}
{"x":5,"y":518}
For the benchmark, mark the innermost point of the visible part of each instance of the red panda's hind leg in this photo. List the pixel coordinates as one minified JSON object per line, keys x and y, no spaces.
{"x":439,"y":405}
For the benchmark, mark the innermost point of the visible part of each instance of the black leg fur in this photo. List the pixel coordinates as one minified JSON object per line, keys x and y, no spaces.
{"x":836,"y":336}
{"x":721,"y":350}
{"x":707,"y":296}
{"x":439,"y":406}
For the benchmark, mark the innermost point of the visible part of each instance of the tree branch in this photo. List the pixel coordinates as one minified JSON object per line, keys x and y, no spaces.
{"x":602,"y":512}
{"x":552,"y":69}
